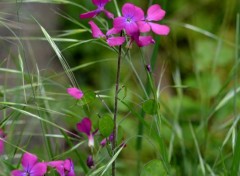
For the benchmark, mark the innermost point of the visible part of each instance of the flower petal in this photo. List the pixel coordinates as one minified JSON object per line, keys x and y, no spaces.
{"x":90,"y":140}
{"x":100,"y":2}
{"x":58,"y":165}
{"x":85,"y":126}
{"x":128,"y":10}
{"x":108,"y":14}
{"x":103,"y":142}
{"x":143,"y":26}
{"x":115,"y":41}
{"x":89,"y":14}
{"x":39,"y":169}
{"x":113,"y":31}
{"x":68,"y":165}
{"x":28,"y":161}
{"x":132,"y":12}
{"x":160,"y":29}
{"x":18,"y":173}
{"x":96,"y":32}
{"x":110,"y":138}
{"x":75,"y":92}
{"x":155,"y":13}
{"x":131,"y":28}
{"x":138,"y":14}
{"x":145,"y":40}
{"x":119,"y":23}
{"x":55,"y":164}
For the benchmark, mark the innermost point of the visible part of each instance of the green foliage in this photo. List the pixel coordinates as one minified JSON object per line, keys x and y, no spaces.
{"x":154,"y":168}
{"x":150,"y":107}
{"x":89,"y":97}
{"x":106,"y":125}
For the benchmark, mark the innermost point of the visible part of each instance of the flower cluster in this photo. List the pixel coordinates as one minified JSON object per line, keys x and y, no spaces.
{"x":133,"y":22}
{"x":32,"y":167}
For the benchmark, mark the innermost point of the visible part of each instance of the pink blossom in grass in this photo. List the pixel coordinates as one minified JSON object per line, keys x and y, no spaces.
{"x":75,"y":92}
{"x":31,"y":166}
{"x":2,"y":136}
{"x":100,"y":8}
{"x":154,"y":13}
{"x":131,"y":15}
{"x":63,"y":167}
{"x":85,"y":126}
{"x":111,"y":40}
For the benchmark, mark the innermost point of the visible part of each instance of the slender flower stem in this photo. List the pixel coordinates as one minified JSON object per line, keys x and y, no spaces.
{"x":114,"y":142}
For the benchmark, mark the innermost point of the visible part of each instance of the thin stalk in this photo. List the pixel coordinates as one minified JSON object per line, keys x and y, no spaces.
{"x":114,"y":142}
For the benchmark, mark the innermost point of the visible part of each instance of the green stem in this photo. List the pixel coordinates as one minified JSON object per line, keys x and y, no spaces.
{"x":114,"y":142}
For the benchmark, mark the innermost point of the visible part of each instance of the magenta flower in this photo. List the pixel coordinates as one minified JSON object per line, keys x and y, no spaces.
{"x":74,"y":92}
{"x":64,"y":168}
{"x":2,"y":136}
{"x":85,"y":126}
{"x":131,"y":15}
{"x":154,"y":13}
{"x":31,"y":167}
{"x":111,"y":40}
{"x":100,"y":8}
{"x":90,"y":162}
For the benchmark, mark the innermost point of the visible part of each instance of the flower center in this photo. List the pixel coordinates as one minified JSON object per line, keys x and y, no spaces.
{"x":129,"y":20}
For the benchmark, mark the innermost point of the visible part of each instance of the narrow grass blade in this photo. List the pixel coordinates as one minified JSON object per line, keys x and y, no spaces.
{"x":198,"y":151}
{"x":111,"y":161}
{"x":60,"y":57}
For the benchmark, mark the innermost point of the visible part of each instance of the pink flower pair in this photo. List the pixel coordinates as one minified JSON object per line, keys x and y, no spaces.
{"x":31,"y":167}
{"x":132,"y":21}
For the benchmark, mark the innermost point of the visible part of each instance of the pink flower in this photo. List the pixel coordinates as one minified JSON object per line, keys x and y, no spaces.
{"x":64,"y":168}
{"x":111,"y":40}
{"x":154,"y":13}
{"x":74,"y":92}
{"x":85,"y":126}
{"x":2,"y":136}
{"x":100,"y":8}
{"x":131,"y":15}
{"x":31,"y":167}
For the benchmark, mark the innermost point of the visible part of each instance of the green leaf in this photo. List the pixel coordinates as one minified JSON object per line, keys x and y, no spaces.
{"x":106,"y":125}
{"x":88,"y":97}
{"x":154,"y":168}
{"x":150,"y":107}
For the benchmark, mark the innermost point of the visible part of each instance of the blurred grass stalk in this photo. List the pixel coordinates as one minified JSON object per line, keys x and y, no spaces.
{"x":236,"y":133}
